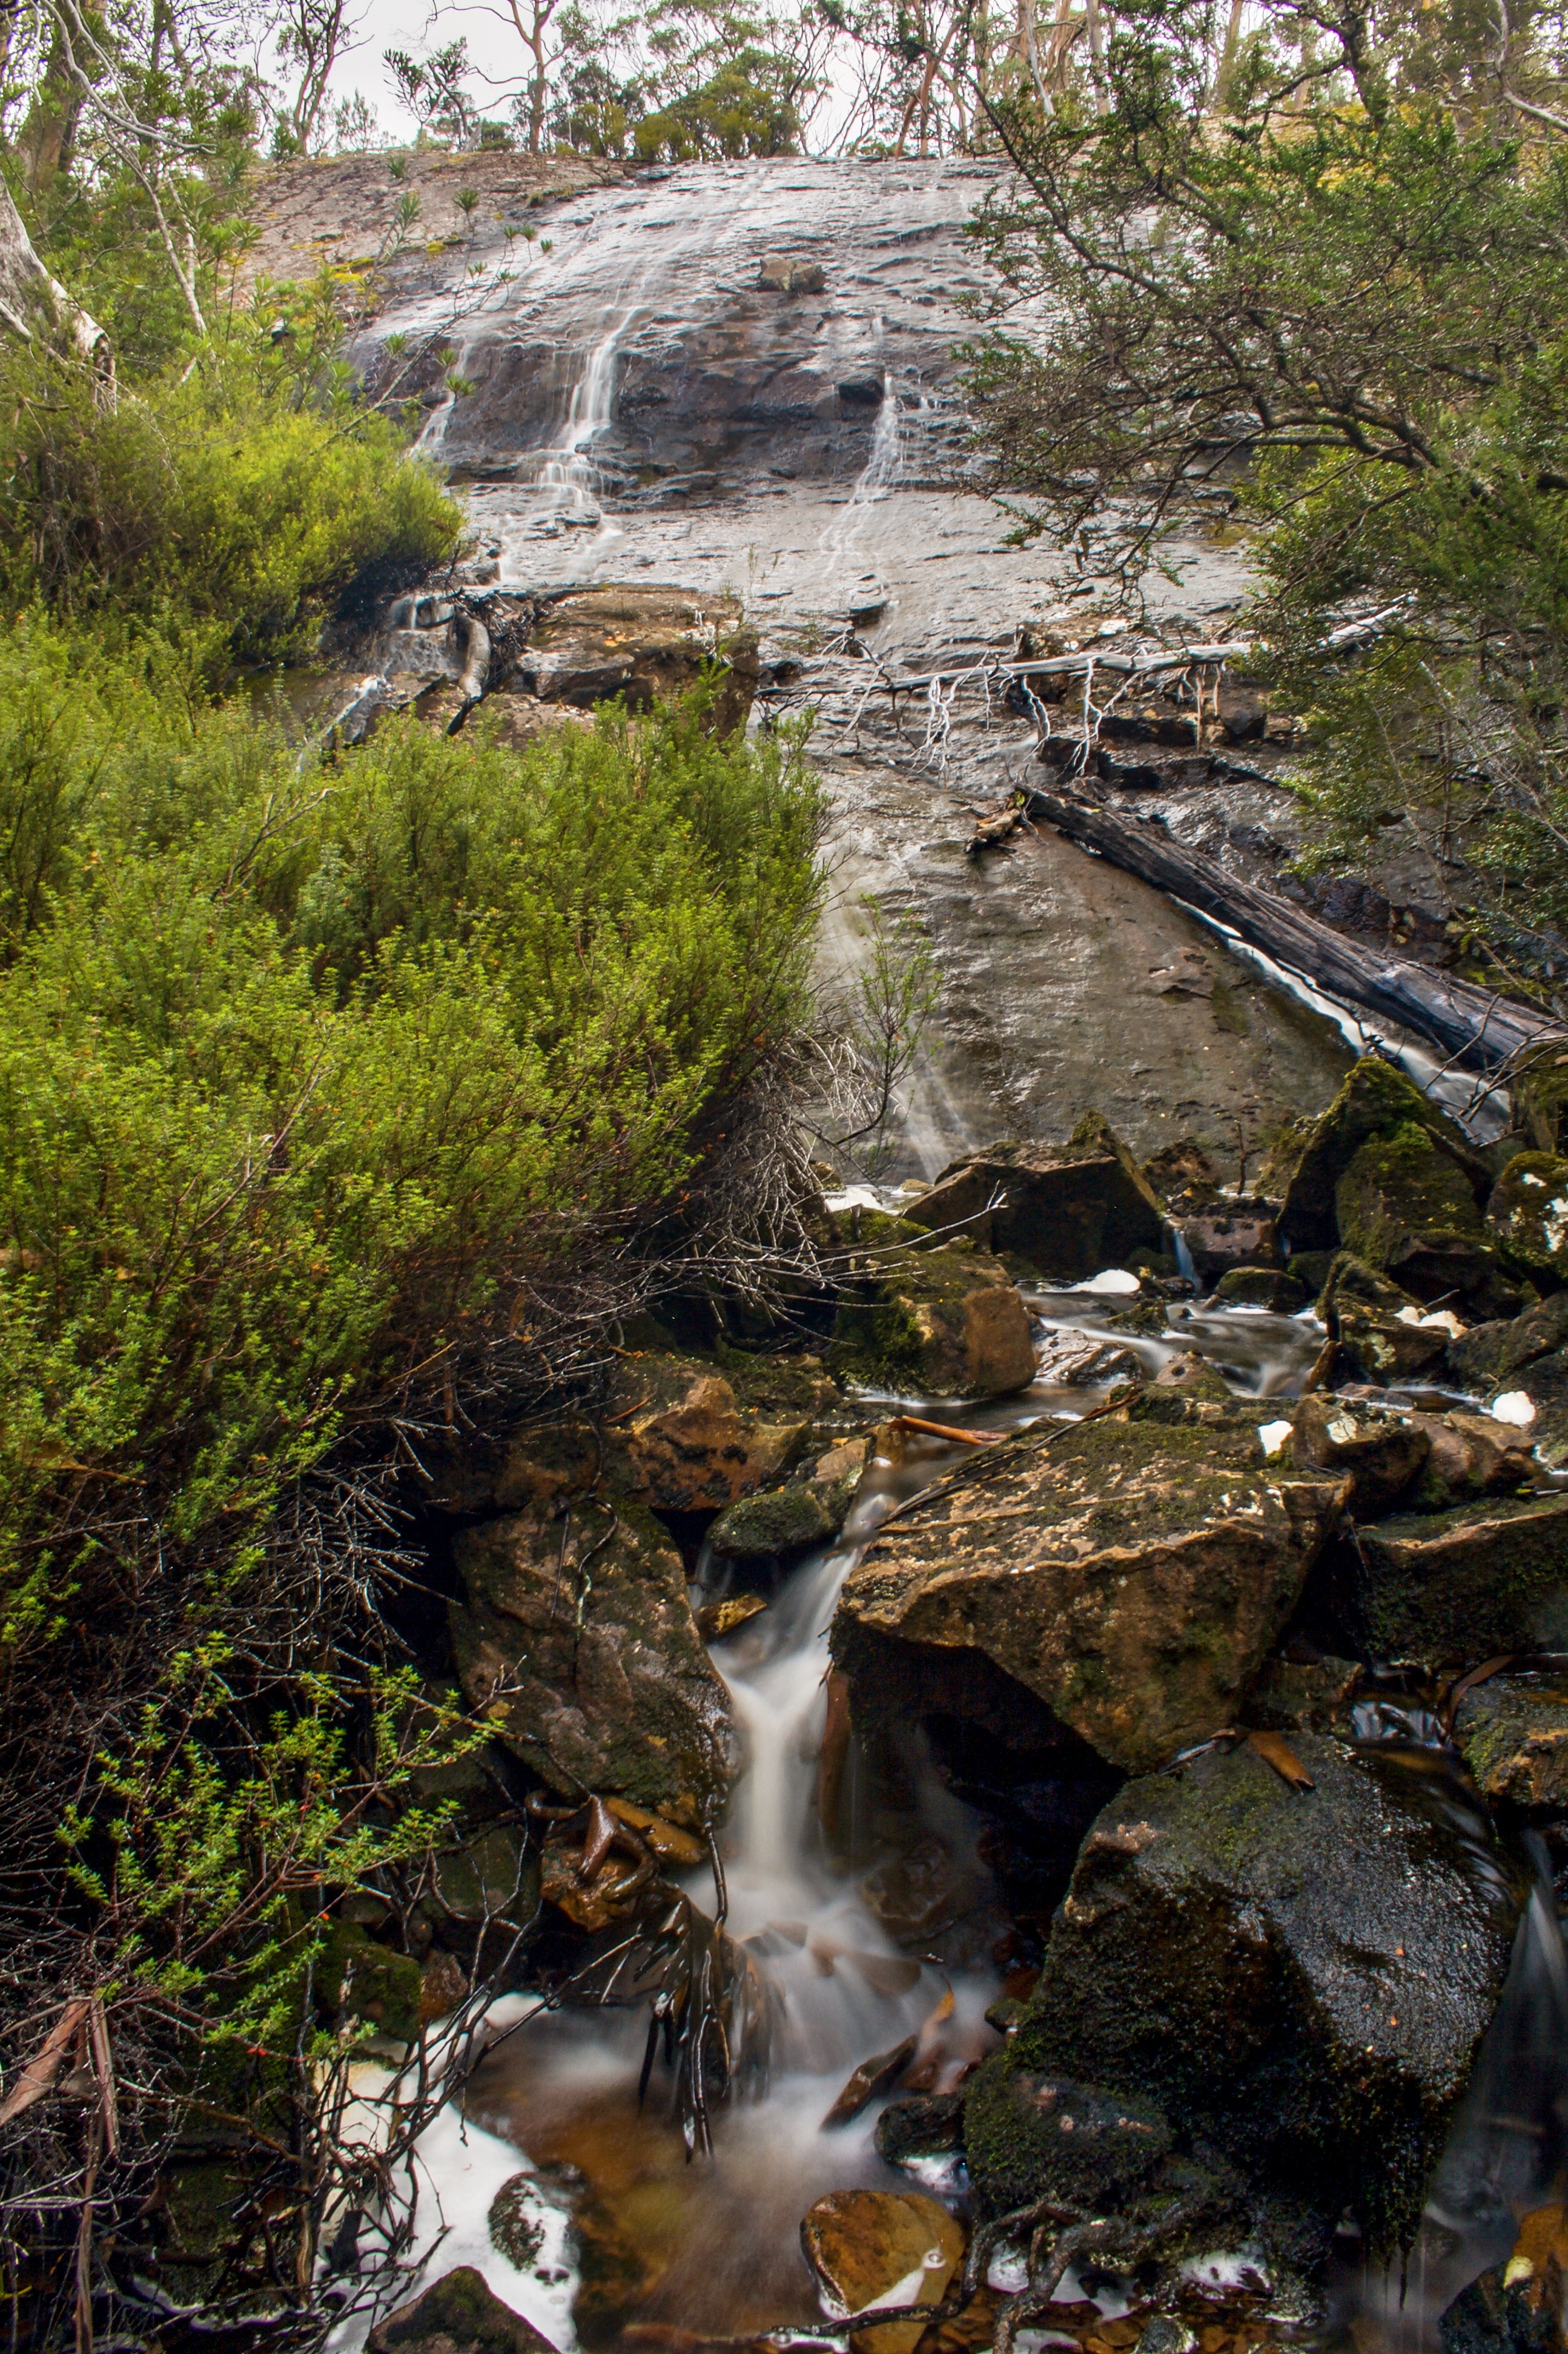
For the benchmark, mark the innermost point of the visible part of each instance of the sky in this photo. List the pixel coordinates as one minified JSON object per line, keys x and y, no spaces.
{"x":416,"y":25}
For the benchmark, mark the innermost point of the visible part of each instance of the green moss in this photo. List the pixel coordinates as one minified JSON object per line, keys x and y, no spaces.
{"x":370,"y":1982}
{"x":1398,"y":1188}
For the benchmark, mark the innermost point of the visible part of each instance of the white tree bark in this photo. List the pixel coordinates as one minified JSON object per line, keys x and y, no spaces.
{"x":32,"y":303}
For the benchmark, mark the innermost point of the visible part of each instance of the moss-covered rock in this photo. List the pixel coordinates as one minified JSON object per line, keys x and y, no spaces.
{"x":1299,"y":1977}
{"x":1513,"y":1732}
{"x":922,"y":1322}
{"x":1378,"y":1449}
{"x":1541,"y":1102}
{"x":1528,"y":1218}
{"x":1133,"y":1574}
{"x":358,"y":1978}
{"x":492,"y":1877}
{"x":1067,"y":1210}
{"x":1262,"y":1286}
{"x":1380,"y":1324}
{"x":1375,"y":1101}
{"x":575,"y":1640}
{"x":784,"y":1519}
{"x":1405,"y":1206}
{"x":459,"y":2315}
{"x":1469,"y":1456}
{"x":1446,"y":1588}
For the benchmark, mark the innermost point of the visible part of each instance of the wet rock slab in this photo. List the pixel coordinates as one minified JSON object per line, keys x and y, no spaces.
{"x":1071,"y":1209}
{"x":1462,"y":1586}
{"x":867,"y":2248}
{"x":1513,"y":1733}
{"x":1300,"y":1977}
{"x":459,"y":2315}
{"x":1131,"y":1573}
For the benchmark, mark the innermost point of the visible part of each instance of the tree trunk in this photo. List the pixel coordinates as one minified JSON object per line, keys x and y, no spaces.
{"x":1469,"y":1025}
{"x":32,"y":303}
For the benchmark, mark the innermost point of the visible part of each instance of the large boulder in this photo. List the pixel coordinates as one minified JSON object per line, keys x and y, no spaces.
{"x":1524,"y":1355}
{"x":921,"y":1321}
{"x":1070,"y":1209}
{"x":1462,"y":1586}
{"x":645,"y":644}
{"x":1375,"y":1101}
{"x":1528,"y":1216}
{"x":577,"y":1642}
{"x":676,"y":1433}
{"x":1403,"y":1205}
{"x":1299,"y":1979}
{"x":1133,"y":1574}
{"x":1513,"y":1731}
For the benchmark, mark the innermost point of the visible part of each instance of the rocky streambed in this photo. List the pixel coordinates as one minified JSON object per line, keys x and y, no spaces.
{"x":1035,"y":1805}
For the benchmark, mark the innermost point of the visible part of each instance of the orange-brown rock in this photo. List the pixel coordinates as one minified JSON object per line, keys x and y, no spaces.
{"x":868,"y":2248}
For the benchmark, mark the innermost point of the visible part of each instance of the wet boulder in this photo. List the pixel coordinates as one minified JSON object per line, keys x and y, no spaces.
{"x":1520,"y":2308}
{"x":784,"y":1519}
{"x":1513,"y":1732}
{"x":1375,"y":1102}
{"x":1071,"y":1210}
{"x":1469,"y":1456}
{"x":576,"y":1641}
{"x":1262,"y":1286}
{"x":1527,"y":1216}
{"x":1133,"y":1574}
{"x":921,"y":1319}
{"x":922,"y":2132}
{"x":1380,"y":1325}
{"x":1522,"y":1357}
{"x":1540,"y":1095}
{"x":458,"y":2315}
{"x":1404,"y":1205}
{"x":1299,"y":1978}
{"x":1378,"y":1449}
{"x":643,"y":644}
{"x":1224,"y":1237}
{"x":867,"y":2248}
{"x":1462,"y":1586}
{"x":1037,"y":2132}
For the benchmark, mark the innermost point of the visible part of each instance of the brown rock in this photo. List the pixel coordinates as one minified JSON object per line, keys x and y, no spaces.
{"x":863,"y":2246}
{"x":1518,"y":2307}
{"x":1379,"y":1450}
{"x":1471,"y":1456}
{"x":1462,"y":1586}
{"x":1243,"y":1234}
{"x":1131,"y":1574}
{"x":928,"y":1322}
{"x":786,"y":273}
{"x":1513,"y":1732}
{"x":643,"y":644}
{"x":577,"y":1642}
{"x":458,"y":2315}
{"x":1071,"y":1209}
{"x":442,"y":1986}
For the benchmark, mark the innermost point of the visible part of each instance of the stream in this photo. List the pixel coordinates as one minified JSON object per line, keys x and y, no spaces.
{"x":636,"y":408}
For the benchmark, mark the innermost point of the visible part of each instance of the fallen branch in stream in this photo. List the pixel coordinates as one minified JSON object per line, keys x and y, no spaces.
{"x":1473,"y":1026}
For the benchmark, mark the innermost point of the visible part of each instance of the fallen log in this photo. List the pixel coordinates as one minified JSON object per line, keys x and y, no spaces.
{"x":1471,"y":1026}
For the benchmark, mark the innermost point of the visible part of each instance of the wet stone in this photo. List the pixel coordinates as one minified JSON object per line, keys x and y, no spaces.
{"x":1375,"y":1102}
{"x":1520,"y":2308}
{"x":459,"y":2315}
{"x":921,"y":2127}
{"x":1528,"y":1215}
{"x":642,"y":645}
{"x":925,"y":1321}
{"x":1300,"y":1977}
{"x":1526,"y":1353}
{"x":867,"y":2248}
{"x":784,"y":1519}
{"x":1070,"y":1210}
{"x":1462,"y":1586}
{"x":1379,"y":1450}
{"x":1131,"y":1574}
{"x":1513,"y":1732}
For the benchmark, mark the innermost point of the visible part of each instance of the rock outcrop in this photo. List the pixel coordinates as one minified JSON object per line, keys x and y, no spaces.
{"x":926,"y":1320}
{"x":1132,"y":1572}
{"x":1458,"y":1586}
{"x":1070,"y":1210}
{"x":644,"y":645}
{"x":577,"y":1642}
{"x":1374,"y":1105}
{"x":458,"y":2315}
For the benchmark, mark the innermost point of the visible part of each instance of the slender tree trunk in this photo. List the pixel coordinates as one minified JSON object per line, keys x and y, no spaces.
{"x":33,"y":304}
{"x":47,"y":136}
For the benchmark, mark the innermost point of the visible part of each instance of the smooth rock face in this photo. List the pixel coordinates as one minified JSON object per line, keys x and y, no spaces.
{"x":1072,"y":1209}
{"x":1528,"y":1214}
{"x":867,"y":2248}
{"x":1133,"y":1574}
{"x":1514,"y":1734}
{"x":576,"y":1642}
{"x":932,"y":1322}
{"x":1462,"y":1586}
{"x":459,"y":2315}
{"x":1301,"y":1977}
{"x":643,"y":644}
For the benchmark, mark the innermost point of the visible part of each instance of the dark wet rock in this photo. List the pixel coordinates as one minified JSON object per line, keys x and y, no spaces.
{"x":677,"y":1434}
{"x":443,"y":1985}
{"x":1540,"y":1095}
{"x":862,"y":391}
{"x":459,"y":2315}
{"x":618,"y":2266}
{"x":1243,"y":712}
{"x":1513,"y":1731}
{"x":1037,"y":2132}
{"x":514,"y":2224}
{"x":917,"y":1895}
{"x":1527,"y":1216}
{"x":784,"y":1519}
{"x":861,"y":2244}
{"x":1466,"y":1585}
{"x":1241,"y":1234}
{"x":576,"y":1642}
{"x":1299,"y":1977}
{"x":1262,"y":1286}
{"x":1302,"y":1695}
{"x":1375,"y":1101}
{"x":642,"y":645}
{"x":1187,"y":1390}
{"x":358,"y":1978}
{"x":1378,"y":1449}
{"x":1071,"y":1210}
{"x":1520,"y":2308}
{"x":494,"y":1877}
{"x":1380,"y":1324}
{"x":920,"y":2126}
{"x":1470,"y":1456}
{"x":931,"y":1320}
{"x":1527,"y":1353}
{"x":1133,"y":1574}
{"x":1073,"y":1358}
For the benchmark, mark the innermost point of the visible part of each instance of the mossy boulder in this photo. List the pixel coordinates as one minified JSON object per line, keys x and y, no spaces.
{"x":1067,"y":1210}
{"x":1462,"y":1586}
{"x":1527,"y":1217}
{"x":1375,"y":1101}
{"x":576,"y":1641}
{"x":459,"y":2315}
{"x":1133,"y":1574}
{"x":1379,"y":1450}
{"x":784,"y":1519}
{"x":1299,"y":1979}
{"x":920,"y":1320}
{"x":494,"y":1877}
{"x":1513,"y":1732}
{"x":1526,"y":1353}
{"x":1262,"y":1286}
{"x":1380,"y":1323}
{"x":358,"y":1978}
{"x":1405,"y":1206}
{"x":1541,"y":1102}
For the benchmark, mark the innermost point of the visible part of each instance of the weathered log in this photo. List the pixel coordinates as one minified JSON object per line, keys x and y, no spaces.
{"x":1470,"y":1025}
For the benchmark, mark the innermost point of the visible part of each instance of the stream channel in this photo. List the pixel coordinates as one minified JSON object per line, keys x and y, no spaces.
{"x":638,"y":408}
